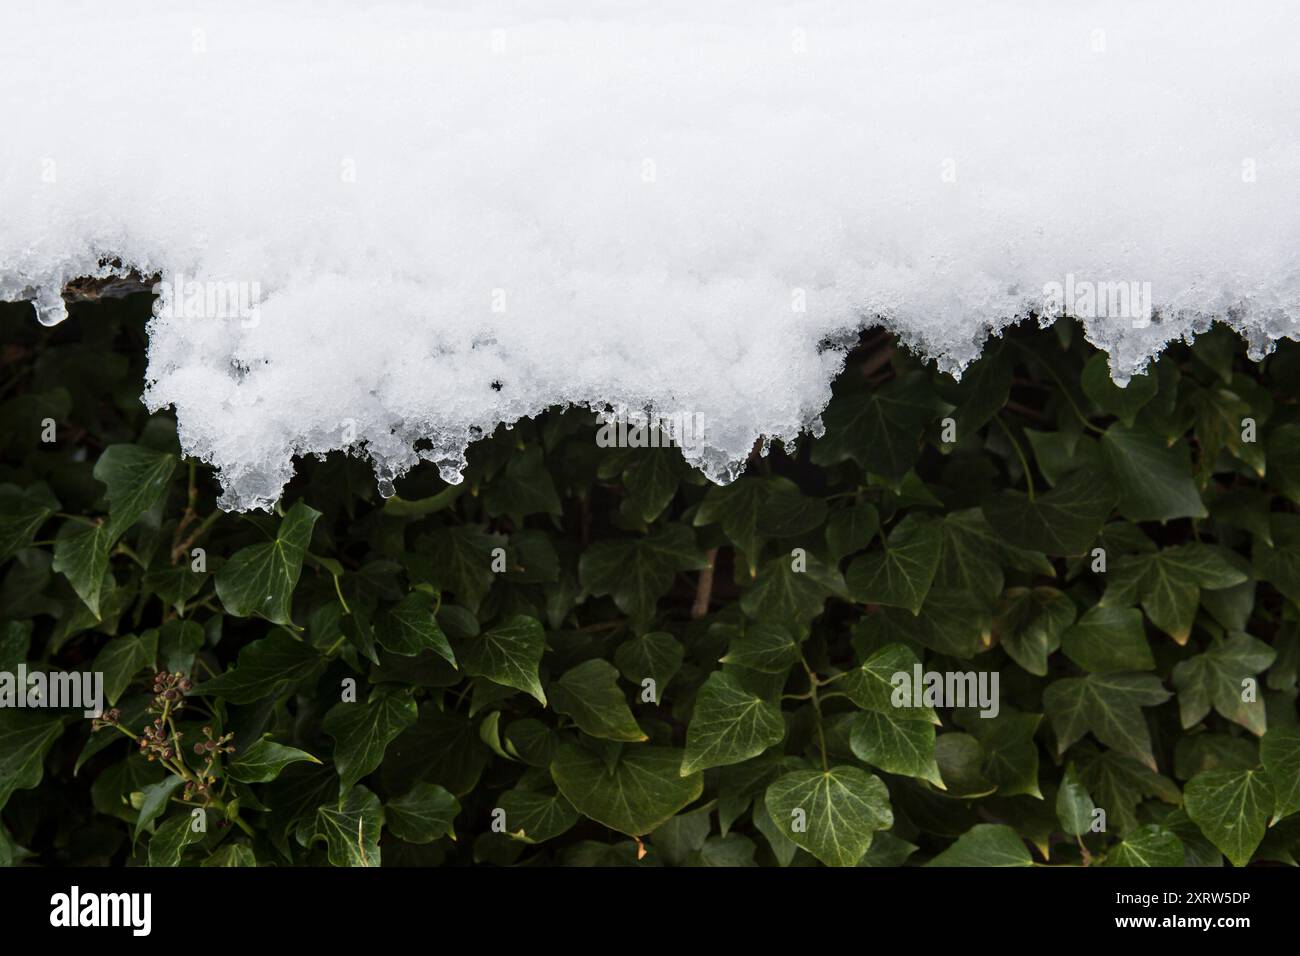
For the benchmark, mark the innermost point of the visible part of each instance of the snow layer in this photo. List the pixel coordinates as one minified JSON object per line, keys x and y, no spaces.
{"x":435,"y":217}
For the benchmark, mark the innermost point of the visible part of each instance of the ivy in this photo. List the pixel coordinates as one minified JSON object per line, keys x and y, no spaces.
{"x":1026,"y":618}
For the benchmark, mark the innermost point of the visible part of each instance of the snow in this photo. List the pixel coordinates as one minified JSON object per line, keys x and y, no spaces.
{"x":370,"y":213}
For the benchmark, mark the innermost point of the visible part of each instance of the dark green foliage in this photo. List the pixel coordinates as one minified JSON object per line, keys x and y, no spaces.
{"x":593,"y":656}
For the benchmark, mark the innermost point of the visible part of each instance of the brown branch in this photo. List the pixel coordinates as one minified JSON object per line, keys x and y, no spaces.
{"x":704,"y":589}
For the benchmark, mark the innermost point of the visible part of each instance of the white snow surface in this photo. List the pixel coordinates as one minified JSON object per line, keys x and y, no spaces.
{"x":689,"y":205}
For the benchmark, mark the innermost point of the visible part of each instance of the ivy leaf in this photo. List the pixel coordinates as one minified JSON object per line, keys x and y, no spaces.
{"x":1154,"y":479}
{"x":589,"y":693}
{"x":832,"y":814}
{"x":879,"y":429}
{"x":657,"y":656}
{"x":424,"y":814}
{"x":266,"y":669}
{"x":1074,"y":804}
{"x":535,"y":816}
{"x":637,"y":572}
{"x":983,"y":390}
{"x":900,"y":575}
{"x":136,"y":478}
{"x":1279,"y":751}
{"x":1064,"y":521}
{"x":524,"y":488}
{"x":788,"y":512}
{"x":737,"y":507}
{"x":1169,"y":582}
{"x":894,"y":744}
{"x":121,"y":659}
{"x":508,"y":655}
{"x":260,"y":579}
{"x":1278,"y":561}
{"x":81,"y":555}
{"x":871,"y":685}
{"x":638,"y":793}
{"x":1107,"y":639}
{"x":1124,"y":403}
{"x":653,"y":480}
{"x":263,"y":760}
{"x":460,"y":561}
{"x":1149,"y":845}
{"x":22,"y":512}
{"x":413,"y":628}
{"x":156,"y":798}
{"x":1110,"y":706}
{"x":788,"y":597}
{"x":1282,"y":453}
{"x":351,"y":829}
{"x":1216,"y":678}
{"x":986,"y":844}
{"x":362,"y":732}
{"x":1029,"y":624}
{"x":766,"y":648}
{"x":1232,"y":808}
{"x":729,"y":724}
{"x":167,"y":845}
{"x":851,"y":529}
{"x":231,"y":855}
{"x":25,"y":738}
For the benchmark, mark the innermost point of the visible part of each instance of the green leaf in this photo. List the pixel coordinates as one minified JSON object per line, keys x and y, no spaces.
{"x":167,"y":845}
{"x":832,"y":814}
{"x":266,"y":669}
{"x":1279,"y":751}
{"x":1169,"y":582}
{"x":851,"y":529}
{"x":508,"y":655}
{"x":1154,"y":479}
{"x":22,"y":512}
{"x":1064,"y":521}
{"x":736,"y":507}
{"x":81,"y":555}
{"x":879,"y":429}
{"x":263,"y":760}
{"x":25,"y":738}
{"x":637,"y":572}
{"x":589,"y":693}
{"x":362,"y":732}
{"x":423,"y":814}
{"x":121,"y":659}
{"x":895,"y":744}
{"x":653,"y":480}
{"x":871,"y":686}
{"x":730,"y":724}
{"x":136,"y":478}
{"x":1074,"y":804}
{"x":260,"y":579}
{"x":1149,"y":845}
{"x":1107,"y":639}
{"x":1110,"y":706}
{"x":1278,"y":562}
{"x":351,"y":829}
{"x":535,"y":816}
{"x":1029,"y":624}
{"x":900,"y":575}
{"x":1124,"y":403}
{"x":1232,"y":808}
{"x":232,"y":854}
{"x":1216,"y":678}
{"x":638,"y":793}
{"x":787,"y":597}
{"x":412,"y":629}
{"x":657,"y":656}
{"x":524,"y":488}
{"x":984,"y":845}
{"x":767,"y":648}
{"x":157,"y":797}
{"x":460,"y":561}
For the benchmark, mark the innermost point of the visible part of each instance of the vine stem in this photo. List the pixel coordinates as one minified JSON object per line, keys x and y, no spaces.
{"x":1024,"y":462}
{"x":813,"y":684}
